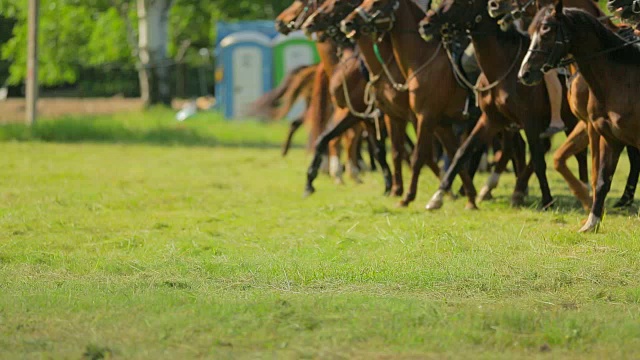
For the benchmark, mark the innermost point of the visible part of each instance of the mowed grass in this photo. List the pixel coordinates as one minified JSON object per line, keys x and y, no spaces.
{"x":130,"y":249}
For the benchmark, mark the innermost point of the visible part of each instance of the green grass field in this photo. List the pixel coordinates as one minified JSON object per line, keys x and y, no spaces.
{"x":134,"y":236}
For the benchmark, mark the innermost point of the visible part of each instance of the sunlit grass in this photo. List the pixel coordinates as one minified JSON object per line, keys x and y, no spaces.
{"x":128,"y":249}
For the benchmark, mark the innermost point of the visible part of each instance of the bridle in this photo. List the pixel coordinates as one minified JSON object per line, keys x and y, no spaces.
{"x":515,"y":14}
{"x":374,"y":23}
{"x":332,"y":30}
{"x":469,"y":29}
{"x":558,"y":51}
{"x":309,"y":8}
{"x":449,"y":31}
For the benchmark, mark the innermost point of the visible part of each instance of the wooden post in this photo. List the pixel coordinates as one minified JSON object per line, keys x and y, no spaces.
{"x":32,"y":62}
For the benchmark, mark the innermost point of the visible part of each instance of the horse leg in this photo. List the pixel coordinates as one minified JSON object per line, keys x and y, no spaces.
{"x":353,"y":136}
{"x":345,"y":123}
{"x":410,"y":146}
{"x":473,"y":165}
{"x":380,"y":152}
{"x":594,"y":146}
{"x":609,"y":156}
{"x":423,"y":152}
{"x":577,"y":142}
{"x":480,"y":134}
{"x":583,"y":169}
{"x":450,"y":145}
{"x":537,"y":148}
{"x":336,"y":169}
{"x":632,"y":180}
{"x":506,"y":155}
{"x":293,"y":127}
{"x":397,"y":130}
{"x":371,"y":150}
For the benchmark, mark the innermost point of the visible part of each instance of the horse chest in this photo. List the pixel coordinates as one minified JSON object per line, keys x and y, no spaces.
{"x":392,"y":101}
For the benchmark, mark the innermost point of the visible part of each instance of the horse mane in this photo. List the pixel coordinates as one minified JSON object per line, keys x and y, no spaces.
{"x":582,"y":21}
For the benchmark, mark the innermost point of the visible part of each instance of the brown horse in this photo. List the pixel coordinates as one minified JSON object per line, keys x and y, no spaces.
{"x":503,"y":100}
{"x":320,"y":110}
{"x":578,"y":141}
{"x":435,"y":98}
{"x":610,"y":66}
{"x":347,"y":87}
{"x":391,"y":101}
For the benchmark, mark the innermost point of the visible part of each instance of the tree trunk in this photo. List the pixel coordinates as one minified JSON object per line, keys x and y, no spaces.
{"x":153,"y":37}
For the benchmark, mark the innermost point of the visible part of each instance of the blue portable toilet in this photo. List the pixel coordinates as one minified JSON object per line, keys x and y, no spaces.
{"x":244,"y":70}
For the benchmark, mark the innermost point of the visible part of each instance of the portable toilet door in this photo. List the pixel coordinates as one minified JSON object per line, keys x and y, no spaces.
{"x":290,"y":52}
{"x":246,"y":61}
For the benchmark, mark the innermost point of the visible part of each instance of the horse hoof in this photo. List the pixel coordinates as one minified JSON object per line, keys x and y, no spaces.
{"x":548,"y":205}
{"x":308,"y":192}
{"x":592,"y":224}
{"x":358,"y":181}
{"x":436,"y":200}
{"x":623,"y":203}
{"x":471,"y":206}
{"x":485,"y":194}
{"x":402,"y":204}
{"x":452,"y":195}
{"x":339,"y":181}
{"x":434,"y":205}
{"x":387,"y":192}
{"x":397,"y":192}
{"x":517,"y":199}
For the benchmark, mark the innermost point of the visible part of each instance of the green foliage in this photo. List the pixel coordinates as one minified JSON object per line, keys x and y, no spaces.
{"x":72,"y":34}
{"x":76,"y":34}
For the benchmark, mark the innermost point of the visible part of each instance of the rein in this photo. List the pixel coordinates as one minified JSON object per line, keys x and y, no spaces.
{"x":405,"y":86}
{"x":474,"y":87}
{"x":370,"y":112}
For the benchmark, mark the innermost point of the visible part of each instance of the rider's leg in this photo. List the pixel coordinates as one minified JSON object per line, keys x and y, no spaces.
{"x":554,"y":88}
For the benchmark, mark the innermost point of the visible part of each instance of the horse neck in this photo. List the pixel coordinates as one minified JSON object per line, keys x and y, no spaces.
{"x":327,"y":52}
{"x":406,"y":43}
{"x":598,"y":71}
{"x":365,"y":44}
{"x":494,"y":56}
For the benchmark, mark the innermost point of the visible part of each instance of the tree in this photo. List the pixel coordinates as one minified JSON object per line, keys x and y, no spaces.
{"x":80,"y":34}
{"x":153,"y":38}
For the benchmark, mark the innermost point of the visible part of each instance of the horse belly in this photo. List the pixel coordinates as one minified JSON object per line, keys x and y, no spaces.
{"x":627,"y":130}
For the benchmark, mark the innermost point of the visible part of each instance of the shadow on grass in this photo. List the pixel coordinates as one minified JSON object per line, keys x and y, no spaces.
{"x":158,"y":132}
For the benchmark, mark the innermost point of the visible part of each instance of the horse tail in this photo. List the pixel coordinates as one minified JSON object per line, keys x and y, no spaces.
{"x":318,"y":110}
{"x":267,"y":104}
{"x":301,"y":84}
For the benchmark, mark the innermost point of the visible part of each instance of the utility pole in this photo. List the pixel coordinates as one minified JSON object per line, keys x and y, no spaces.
{"x":32,"y":61}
